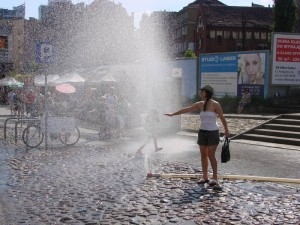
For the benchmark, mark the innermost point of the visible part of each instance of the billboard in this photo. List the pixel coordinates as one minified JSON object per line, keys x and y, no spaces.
{"x":285,"y":59}
{"x":44,"y":52}
{"x":231,"y":73}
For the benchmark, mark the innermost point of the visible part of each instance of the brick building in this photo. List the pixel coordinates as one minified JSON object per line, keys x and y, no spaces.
{"x":207,"y":26}
{"x":186,"y":24}
{"x":8,"y":19}
{"x":230,"y":28}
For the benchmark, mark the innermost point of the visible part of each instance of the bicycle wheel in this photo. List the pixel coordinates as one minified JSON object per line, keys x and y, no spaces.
{"x":70,"y":138}
{"x":32,"y":136}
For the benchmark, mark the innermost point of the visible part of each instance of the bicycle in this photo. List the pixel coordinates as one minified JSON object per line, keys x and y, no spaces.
{"x":63,"y":127}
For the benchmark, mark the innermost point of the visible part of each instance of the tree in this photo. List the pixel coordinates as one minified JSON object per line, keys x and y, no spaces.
{"x":285,"y":15}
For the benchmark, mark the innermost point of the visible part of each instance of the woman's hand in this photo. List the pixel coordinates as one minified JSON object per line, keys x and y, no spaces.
{"x":168,"y":114}
{"x":226,"y":133}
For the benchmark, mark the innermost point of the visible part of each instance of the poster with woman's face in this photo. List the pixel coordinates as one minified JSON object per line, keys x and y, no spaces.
{"x":251,"y":68}
{"x":251,"y":73}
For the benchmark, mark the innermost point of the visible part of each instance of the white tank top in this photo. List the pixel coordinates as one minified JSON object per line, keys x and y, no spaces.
{"x":208,"y":121}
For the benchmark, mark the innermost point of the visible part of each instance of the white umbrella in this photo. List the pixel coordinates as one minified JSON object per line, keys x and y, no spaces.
{"x":39,"y":80}
{"x":68,"y":78}
{"x":108,"y":78}
{"x":10,"y":82}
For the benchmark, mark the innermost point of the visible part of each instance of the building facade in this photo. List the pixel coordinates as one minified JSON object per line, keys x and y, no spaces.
{"x":8,"y":19}
{"x":186,"y":26}
{"x":230,"y":28}
{"x":17,"y":12}
{"x":207,"y":26}
{"x":6,"y":47}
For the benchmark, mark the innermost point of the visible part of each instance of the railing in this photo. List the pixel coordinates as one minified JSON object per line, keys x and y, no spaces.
{"x":17,"y":120}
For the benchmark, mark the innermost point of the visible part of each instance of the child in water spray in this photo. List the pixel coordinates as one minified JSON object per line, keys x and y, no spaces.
{"x":151,"y":126}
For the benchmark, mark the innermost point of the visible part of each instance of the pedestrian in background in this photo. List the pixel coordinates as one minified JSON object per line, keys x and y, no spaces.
{"x":245,"y":100}
{"x":11,"y":100}
{"x":151,"y":127}
{"x":208,"y":135}
{"x":30,"y":103}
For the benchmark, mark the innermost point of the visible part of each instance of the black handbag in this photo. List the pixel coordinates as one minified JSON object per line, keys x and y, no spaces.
{"x":225,"y":154}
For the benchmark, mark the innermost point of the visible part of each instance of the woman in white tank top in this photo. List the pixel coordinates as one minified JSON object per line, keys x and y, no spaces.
{"x":208,"y":135}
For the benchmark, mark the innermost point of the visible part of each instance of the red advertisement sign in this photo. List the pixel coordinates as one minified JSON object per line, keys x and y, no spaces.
{"x":287,"y":50}
{"x":286,"y":59}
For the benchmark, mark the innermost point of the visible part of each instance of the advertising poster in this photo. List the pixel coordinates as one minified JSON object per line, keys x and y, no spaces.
{"x":286,"y":59}
{"x":219,"y":71}
{"x":232,"y":73}
{"x":44,"y":52}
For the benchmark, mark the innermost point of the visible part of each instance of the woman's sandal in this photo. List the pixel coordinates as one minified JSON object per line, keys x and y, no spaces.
{"x":202,"y":181}
{"x":213,"y":182}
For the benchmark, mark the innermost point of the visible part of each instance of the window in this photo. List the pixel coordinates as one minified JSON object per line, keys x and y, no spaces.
{"x":191,"y":46}
{"x":256,"y":35}
{"x":240,"y":35}
{"x":264,"y":35}
{"x":219,"y":33}
{"x":212,"y":34}
{"x":3,"y":42}
{"x":226,"y":34}
{"x":184,"y":30}
{"x":234,"y":35}
{"x":248,"y":35}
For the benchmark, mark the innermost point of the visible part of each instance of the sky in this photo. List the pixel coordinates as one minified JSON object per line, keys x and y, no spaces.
{"x":137,"y":6}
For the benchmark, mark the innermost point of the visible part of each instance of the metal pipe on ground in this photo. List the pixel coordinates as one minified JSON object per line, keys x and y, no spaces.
{"x":229,"y":177}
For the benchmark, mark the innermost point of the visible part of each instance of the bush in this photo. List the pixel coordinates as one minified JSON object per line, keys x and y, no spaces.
{"x":229,"y":103}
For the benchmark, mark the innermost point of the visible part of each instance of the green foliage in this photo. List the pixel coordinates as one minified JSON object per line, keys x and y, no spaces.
{"x":190,"y":54}
{"x":229,"y":103}
{"x":285,"y":16}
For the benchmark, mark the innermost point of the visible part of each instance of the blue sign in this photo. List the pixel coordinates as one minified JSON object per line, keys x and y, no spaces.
{"x":44,"y":52}
{"x":218,"y":63}
{"x":231,"y":73}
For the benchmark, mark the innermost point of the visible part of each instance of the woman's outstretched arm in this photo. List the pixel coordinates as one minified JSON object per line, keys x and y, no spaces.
{"x":191,"y":108}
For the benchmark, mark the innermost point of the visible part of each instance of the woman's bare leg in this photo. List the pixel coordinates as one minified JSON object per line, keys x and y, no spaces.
{"x":204,"y":160}
{"x":213,"y":161}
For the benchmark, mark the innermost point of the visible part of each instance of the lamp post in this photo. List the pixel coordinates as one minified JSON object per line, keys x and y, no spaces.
{"x":46,"y":113}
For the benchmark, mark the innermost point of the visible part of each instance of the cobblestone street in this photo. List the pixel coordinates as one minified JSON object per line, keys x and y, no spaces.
{"x":106,"y":184}
{"x":92,"y":185}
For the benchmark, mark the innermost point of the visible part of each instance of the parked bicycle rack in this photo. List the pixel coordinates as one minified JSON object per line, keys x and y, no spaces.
{"x":5,"y":124}
{"x":20,"y":121}
{"x":16,"y":122}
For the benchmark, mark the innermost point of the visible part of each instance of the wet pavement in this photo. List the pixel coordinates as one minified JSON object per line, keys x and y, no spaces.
{"x":92,"y":185}
{"x":104,"y":182}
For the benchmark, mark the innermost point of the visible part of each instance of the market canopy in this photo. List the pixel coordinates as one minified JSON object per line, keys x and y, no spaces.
{"x":108,"y":78}
{"x":104,"y":79}
{"x":68,"y":78}
{"x":39,"y":80}
{"x":10,"y":82}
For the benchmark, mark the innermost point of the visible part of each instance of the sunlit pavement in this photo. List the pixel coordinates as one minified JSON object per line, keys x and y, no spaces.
{"x":104,"y":182}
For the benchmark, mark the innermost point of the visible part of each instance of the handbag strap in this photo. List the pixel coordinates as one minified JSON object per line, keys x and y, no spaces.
{"x":226,"y":140}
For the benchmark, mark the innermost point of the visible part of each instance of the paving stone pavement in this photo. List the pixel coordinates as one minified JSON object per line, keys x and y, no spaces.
{"x":93,"y":185}
{"x":101,"y":184}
